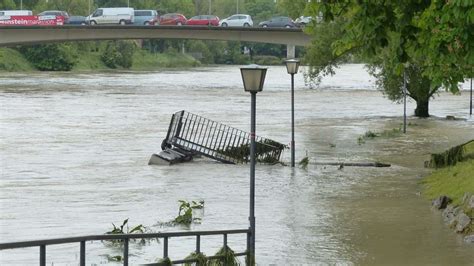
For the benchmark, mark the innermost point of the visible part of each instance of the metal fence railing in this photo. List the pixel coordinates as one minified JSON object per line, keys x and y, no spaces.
{"x":217,"y":141}
{"x":81,"y":240}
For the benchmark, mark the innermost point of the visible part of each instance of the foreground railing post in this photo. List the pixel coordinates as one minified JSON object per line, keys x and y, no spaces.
{"x":42,"y":261}
{"x":165,"y":247}
{"x":249,"y":253}
{"x":125,"y":252}
{"x":198,"y":244}
{"x":82,"y":254}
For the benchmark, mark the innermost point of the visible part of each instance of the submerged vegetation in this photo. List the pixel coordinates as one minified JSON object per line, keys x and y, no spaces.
{"x":185,"y":213}
{"x":266,"y":151}
{"x":395,"y":132}
{"x":452,"y":156}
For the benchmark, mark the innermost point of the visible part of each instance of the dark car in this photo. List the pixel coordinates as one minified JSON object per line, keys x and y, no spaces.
{"x":278,"y":22}
{"x":77,"y":20}
{"x":203,"y":20}
{"x":56,"y":13}
{"x":173,"y":19}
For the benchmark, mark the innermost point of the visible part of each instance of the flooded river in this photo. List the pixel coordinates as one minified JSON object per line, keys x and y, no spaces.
{"x":75,"y":148}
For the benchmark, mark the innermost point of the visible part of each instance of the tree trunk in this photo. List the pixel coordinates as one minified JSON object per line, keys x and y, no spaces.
{"x":422,"y":106}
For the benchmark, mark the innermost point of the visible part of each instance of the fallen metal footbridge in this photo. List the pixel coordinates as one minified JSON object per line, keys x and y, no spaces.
{"x":191,"y":134}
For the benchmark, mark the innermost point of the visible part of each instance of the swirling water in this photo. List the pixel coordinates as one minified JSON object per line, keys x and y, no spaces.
{"x":75,"y":147}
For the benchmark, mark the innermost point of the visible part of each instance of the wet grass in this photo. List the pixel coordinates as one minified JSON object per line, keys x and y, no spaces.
{"x":452,"y":181}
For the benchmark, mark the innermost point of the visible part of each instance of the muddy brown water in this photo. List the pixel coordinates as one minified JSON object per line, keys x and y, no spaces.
{"x":75,"y":147}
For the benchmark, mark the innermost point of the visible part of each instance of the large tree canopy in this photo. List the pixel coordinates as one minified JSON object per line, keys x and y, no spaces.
{"x":431,"y":40}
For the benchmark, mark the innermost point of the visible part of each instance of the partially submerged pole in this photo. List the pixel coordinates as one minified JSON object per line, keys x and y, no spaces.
{"x":404,"y":102}
{"x":470,"y":112}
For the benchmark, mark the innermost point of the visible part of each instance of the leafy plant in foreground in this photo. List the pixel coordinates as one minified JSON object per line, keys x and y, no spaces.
{"x":185,"y":213}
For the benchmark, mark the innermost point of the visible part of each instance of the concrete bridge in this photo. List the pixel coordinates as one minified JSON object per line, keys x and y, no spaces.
{"x":15,"y":35}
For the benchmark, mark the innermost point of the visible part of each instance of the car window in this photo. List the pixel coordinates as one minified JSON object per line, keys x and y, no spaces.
{"x":142,"y":13}
{"x":2,"y":13}
{"x":196,"y":17}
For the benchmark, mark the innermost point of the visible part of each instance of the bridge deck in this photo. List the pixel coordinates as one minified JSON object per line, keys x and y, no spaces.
{"x":14,"y":35}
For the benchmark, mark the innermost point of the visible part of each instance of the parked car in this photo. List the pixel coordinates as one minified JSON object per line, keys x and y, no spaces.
{"x":56,"y":13}
{"x":16,"y":13}
{"x":146,"y":17}
{"x":303,"y":21}
{"x":238,"y":20}
{"x":173,"y":19}
{"x":278,"y":22}
{"x":204,"y":20}
{"x":77,"y":20}
{"x":112,"y":15}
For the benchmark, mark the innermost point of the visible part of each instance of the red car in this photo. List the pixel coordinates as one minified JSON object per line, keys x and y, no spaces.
{"x":204,"y":20}
{"x":173,"y":19}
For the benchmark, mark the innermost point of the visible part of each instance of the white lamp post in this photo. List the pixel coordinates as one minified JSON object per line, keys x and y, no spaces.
{"x":253,"y":77}
{"x":292,"y":66}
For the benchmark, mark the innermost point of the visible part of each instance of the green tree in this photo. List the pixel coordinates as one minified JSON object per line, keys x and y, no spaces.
{"x":7,"y":4}
{"x":118,"y":54}
{"x":292,"y":8}
{"x":185,"y":7}
{"x":51,"y":57}
{"x":261,"y":10}
{"x":400,"y":37}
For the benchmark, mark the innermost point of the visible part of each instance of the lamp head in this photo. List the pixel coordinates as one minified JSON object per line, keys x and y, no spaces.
{"x":253,"y":77}
{"x":292,"y":66}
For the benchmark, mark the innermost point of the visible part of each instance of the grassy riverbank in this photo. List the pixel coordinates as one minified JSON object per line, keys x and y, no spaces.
{"x":12,"y":60}
{"x":454,"y":177}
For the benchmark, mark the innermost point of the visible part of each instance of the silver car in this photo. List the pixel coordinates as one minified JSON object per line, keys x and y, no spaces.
{"x":238,"y":20}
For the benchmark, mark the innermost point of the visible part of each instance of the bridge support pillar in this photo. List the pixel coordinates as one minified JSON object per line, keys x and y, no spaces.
{"x":290,"y":51}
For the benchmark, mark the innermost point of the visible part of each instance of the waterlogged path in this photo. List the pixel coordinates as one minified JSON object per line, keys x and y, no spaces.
{"x":75,"y":147}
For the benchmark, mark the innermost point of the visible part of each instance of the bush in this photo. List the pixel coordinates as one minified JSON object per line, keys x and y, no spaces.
{"x":51,"y":57}
{"x":118,"y":54}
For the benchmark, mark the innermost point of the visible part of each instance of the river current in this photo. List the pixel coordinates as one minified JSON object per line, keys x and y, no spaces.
{"x":74,"y":150}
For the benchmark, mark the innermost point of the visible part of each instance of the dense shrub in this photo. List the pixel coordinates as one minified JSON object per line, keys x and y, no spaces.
{"x":51,"y":57}
{"x":118,"y":54}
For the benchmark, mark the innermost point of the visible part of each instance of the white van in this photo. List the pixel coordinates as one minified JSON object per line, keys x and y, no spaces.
{"x":113,"y":15}
{"x":16,"y":13}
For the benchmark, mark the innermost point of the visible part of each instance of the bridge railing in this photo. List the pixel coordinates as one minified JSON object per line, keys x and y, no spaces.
{"x":125,"y":238}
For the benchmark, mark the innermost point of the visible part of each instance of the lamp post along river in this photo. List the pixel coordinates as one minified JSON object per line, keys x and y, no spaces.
{"x":292,"y":66}
{"x":253,"y":77}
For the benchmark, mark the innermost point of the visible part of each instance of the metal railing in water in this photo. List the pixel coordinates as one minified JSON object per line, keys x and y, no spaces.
{"x":217,"y":141}
{"x":42,"y":244}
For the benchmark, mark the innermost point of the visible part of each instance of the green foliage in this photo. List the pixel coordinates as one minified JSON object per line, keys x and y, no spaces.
{"x":124,"y":229}
{"x":228,"y":258}
{"x":386,"y":133}
{"x":7,"y":4}
{"x":304,"y":162}
{"x":165,"y":262}
{"x":200,"y":258}
{"x":267,"y":60}
{"x":13,"y":60}
{"x":452,"y":156}
{"x":453,"y":181}
{"x":116,"y":258}
{"x":292,"y":8}
{"x":118,"y":54}
{"x":265,"y":151}
{"x":51,"y":57}
{"x":185,"y":213}
{"x":430,"y":40}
